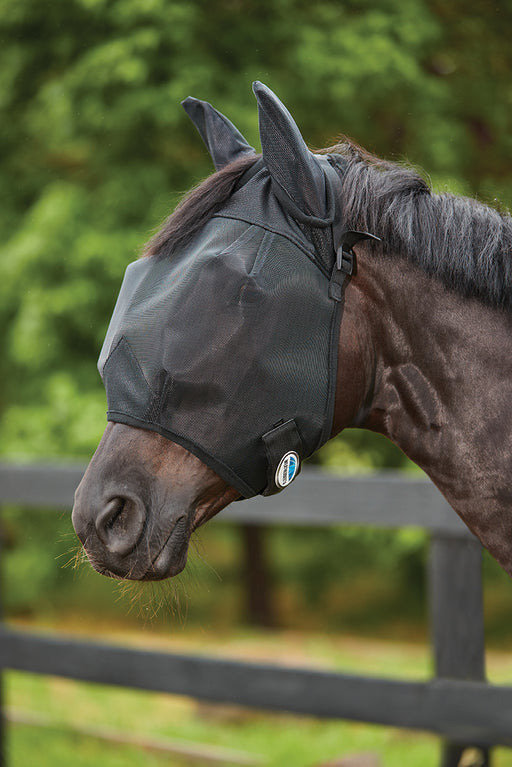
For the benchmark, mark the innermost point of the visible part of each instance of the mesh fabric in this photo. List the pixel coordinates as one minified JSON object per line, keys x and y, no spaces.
{"x":228,"y":347}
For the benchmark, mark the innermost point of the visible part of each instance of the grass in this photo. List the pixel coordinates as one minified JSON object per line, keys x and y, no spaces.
{"x":279,"y":739}
{"x":340,"y":609}
{"x":302,"y":746}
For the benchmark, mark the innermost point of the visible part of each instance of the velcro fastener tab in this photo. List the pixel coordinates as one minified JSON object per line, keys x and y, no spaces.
{"x":283,"y":447}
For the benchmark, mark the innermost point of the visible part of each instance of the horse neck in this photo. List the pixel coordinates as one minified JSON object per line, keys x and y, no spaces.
{"x":438,"y":383}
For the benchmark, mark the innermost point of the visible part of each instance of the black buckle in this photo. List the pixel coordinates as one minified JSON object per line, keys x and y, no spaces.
{"x":345,"y":260}
{"x":346,"y":263}
{"x":345,"y":256}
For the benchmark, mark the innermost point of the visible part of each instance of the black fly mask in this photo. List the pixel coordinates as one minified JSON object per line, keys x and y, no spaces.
{"x":229,"y":346}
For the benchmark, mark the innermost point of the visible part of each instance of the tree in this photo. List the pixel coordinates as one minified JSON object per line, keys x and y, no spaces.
{"x":96,"y":150}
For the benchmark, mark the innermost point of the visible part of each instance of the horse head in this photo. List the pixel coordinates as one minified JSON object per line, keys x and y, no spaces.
{"x":225,"y":367}
{"x":220,"y":359}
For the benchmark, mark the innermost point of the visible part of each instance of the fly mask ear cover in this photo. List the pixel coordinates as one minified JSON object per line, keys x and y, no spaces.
{"x":229,"y":346}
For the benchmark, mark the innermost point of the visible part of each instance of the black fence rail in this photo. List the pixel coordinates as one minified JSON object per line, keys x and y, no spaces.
{"x":456,"y":704}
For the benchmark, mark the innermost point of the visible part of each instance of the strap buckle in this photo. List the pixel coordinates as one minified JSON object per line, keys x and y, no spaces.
{"x":346,"y":263}
{"x":345,"y":260}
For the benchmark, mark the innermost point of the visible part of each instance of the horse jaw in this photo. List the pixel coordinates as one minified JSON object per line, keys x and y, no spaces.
{"x":140,"y":500}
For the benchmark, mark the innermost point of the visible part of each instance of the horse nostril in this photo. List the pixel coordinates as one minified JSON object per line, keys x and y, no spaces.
{"x":120,"y":524}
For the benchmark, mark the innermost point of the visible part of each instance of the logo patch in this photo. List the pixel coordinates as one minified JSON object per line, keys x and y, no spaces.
{"x":287,"y":469}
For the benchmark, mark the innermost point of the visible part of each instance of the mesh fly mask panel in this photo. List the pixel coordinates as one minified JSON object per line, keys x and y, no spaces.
{"x":229,"y":346}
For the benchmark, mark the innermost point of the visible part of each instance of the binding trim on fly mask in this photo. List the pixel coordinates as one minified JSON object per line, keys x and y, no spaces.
{"x":229,"y":347}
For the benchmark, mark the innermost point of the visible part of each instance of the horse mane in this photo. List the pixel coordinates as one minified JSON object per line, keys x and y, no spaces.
{"x":460,"y":241}
{"x":464,"y":243}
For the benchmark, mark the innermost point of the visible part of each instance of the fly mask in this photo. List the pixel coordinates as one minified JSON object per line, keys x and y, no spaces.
{"x":229,"y":346}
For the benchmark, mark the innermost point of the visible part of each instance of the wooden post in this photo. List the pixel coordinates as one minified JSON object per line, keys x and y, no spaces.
{"x":259,"y":606}
{"x":457,"y":624}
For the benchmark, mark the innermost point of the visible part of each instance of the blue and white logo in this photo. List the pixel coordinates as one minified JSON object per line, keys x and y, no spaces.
{"x":287,"y":469}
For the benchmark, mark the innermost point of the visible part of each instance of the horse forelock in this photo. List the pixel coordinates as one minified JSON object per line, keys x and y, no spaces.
{"x":196,"y":208}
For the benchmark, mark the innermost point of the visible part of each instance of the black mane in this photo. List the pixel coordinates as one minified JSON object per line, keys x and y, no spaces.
{"x":465,"y":244}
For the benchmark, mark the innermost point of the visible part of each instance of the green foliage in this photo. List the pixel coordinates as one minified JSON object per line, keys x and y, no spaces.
{"x":37,"y":546}
{"x":95,"y":150}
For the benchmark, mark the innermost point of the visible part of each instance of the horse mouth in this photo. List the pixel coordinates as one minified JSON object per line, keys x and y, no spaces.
{"x":171,"y":559}
{"x":143,"y":564}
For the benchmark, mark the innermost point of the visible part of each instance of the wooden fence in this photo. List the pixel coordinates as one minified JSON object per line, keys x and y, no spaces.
{"x":456,"y":704}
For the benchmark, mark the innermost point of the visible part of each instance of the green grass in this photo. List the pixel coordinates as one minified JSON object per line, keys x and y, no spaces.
{"x":279,"y":738}
{"x":340,"y":606}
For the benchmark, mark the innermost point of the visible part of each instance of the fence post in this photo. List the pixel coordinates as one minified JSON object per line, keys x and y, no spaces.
{"x":259,"y":599}
{"x":457,"y":623}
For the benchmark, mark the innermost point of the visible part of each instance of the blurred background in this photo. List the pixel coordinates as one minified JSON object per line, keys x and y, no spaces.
{"x":96,"y":151}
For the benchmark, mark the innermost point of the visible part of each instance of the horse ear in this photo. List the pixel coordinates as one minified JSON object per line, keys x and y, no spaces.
{"x":298,"y":178}
{"x":224,"y":142}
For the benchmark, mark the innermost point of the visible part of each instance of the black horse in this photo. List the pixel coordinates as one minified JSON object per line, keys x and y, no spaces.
{"x":417,"y":344}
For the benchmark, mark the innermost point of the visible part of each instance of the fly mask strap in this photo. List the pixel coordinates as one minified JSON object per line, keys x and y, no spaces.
{"x":343,"y":240}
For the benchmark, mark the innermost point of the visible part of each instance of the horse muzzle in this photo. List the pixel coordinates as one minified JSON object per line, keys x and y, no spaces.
{"x":123,"y":540}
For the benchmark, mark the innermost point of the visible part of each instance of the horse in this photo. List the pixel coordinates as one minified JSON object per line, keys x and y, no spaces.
{"x":319,"y":291}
